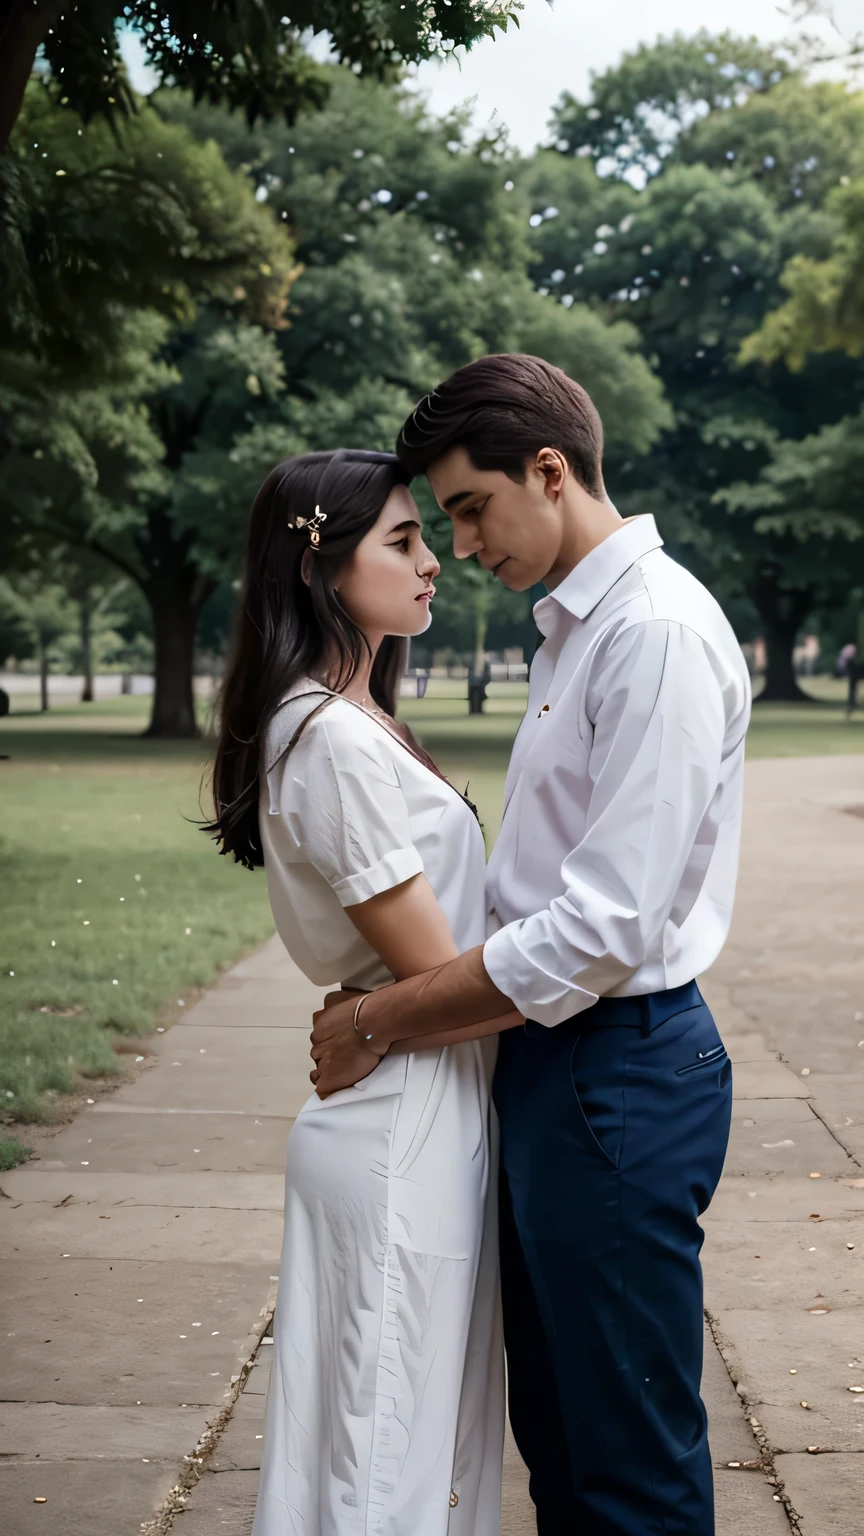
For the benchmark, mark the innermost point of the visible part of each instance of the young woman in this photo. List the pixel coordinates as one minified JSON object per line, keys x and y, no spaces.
{"x":385,"y":1411}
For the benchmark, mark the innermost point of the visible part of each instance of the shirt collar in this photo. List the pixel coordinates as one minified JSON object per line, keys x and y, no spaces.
{"x":589,"y":581}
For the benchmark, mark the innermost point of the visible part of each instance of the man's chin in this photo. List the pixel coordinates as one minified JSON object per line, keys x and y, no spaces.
{"x":513,"y":577}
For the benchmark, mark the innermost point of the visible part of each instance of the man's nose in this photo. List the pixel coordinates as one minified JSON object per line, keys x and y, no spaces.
{"x":465,"y":541}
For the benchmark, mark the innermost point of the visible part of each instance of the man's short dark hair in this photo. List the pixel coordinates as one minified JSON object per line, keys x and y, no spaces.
{"x":503,"y":409}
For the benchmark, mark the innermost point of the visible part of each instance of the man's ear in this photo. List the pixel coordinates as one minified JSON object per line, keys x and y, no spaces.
{"x":306,"y":566}
{"x":553,"y":466}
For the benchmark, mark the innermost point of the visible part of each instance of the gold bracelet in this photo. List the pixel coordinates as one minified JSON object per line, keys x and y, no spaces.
{"x":367,"y":1039}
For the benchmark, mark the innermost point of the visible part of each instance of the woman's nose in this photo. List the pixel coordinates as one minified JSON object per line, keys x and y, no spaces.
{"x":428,"y":565}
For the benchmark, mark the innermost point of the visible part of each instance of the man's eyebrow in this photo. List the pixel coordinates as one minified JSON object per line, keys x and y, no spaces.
{"x":453,"y":501}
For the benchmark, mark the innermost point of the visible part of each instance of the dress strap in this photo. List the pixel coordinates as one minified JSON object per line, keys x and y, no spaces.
{"x":290,"y":721}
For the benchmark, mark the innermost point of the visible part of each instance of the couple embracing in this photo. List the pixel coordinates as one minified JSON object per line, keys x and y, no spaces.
{"x":521,"y":1096}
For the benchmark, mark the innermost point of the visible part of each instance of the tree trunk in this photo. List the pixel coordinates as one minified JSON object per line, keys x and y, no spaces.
{"x":174,"y":626}
{"x":176,"y":590}
{"x":24,"y":26}
{"x":85,"y":609}
{"x":782,"y":613}
{"x":43,"y":676}
{"x":482,"y":606}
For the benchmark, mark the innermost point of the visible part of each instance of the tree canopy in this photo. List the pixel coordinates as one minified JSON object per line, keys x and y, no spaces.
{"x":411,"y":255}
{"x":94,"y":221}
{"x":695,"y":255}
{"x":246,"y":54}
{"x":824,"y":307}
{"x":210,"y":294}
{"x":638,"y":108}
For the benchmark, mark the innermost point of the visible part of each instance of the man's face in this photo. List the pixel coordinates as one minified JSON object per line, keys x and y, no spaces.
{"x":514,"y":529}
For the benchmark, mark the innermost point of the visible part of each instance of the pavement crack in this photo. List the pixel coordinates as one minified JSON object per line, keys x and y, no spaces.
{"x":194,"y":1463}
{"x":766,"y":1452}
{"x":832,"y":1133}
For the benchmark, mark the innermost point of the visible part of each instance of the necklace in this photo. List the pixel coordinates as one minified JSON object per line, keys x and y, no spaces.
{"x":373,"y":709}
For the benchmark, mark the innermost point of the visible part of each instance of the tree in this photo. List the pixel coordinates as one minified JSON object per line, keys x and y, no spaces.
{"x":42,"y":613}
{"x":98,"y":599}
{"x":243,"y":53}
{"x":808,"y":500}
{"x":118,"y":475}
{"x":154,"y":469}
{"x":89,"y":429}
{"x":824,"y":310}
{"x":147,"y":217}
{"x":413,"y":246}
{"x":639,"y":108}
{"x":16,"y":635}
{"x":693,"y":258}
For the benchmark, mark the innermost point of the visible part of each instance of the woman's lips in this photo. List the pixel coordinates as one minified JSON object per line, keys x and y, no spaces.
{"x":425,"y":597}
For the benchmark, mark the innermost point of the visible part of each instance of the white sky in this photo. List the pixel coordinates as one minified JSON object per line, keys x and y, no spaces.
{"x":518,"y":76}
{"x":521,"y":74}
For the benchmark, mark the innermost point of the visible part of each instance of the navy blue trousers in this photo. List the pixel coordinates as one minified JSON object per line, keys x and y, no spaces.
{"x":614,"y":1128}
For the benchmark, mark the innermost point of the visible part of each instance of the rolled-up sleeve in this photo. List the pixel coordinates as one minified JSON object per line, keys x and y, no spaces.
{"x":342,"y":796}
{"x":658,"y":717}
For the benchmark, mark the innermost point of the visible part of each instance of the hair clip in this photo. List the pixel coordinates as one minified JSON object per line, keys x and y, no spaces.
{"x":312,"y":524}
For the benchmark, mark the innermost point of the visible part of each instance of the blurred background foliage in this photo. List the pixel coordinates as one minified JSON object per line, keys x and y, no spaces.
{"x":191,"y":291}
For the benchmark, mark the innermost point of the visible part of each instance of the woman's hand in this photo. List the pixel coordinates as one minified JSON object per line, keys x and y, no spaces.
{"x":341,"y":1056}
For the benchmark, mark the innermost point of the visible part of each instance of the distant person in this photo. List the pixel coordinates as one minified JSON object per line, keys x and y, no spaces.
{"x":609,"y":890}
{"x":385,"y":1412}
{"x":845,"y":659}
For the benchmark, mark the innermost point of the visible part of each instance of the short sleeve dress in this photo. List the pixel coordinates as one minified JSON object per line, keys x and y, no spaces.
{"x":385,"y":1408}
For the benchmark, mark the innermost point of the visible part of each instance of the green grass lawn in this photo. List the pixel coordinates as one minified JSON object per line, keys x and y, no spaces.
{"x":113,"y":907}
{"x":98,"y":854}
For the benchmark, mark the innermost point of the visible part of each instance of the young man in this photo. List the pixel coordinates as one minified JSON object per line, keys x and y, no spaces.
{"x":609,"y":890}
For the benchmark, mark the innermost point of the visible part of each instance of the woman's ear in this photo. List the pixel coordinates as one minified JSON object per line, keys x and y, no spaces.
{"x":306,"y":566}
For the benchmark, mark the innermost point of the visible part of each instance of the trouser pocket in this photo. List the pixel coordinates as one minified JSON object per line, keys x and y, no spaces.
{"x":707,"y":1058}
{"x":598,"y":1067}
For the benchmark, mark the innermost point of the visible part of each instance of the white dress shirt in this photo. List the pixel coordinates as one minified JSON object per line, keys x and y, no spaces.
{"x":615,"y":868}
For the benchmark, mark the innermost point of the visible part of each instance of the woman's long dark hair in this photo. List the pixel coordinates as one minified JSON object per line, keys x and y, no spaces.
{"x":288,"y":629}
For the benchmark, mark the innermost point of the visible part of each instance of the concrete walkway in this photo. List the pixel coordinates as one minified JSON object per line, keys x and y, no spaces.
{"x":784,"y":1260}
{"x":126,"y":1378}
{"x":138,"y":1260}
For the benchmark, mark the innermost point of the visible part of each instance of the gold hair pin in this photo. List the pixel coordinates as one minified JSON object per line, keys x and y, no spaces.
{"x":312,"y":525}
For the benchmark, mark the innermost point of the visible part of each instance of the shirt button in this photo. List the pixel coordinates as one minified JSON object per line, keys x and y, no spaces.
{"x":543,"y":711}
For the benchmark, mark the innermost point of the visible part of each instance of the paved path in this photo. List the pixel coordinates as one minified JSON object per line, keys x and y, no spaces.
{"x":137,"y":1261}
{"x":118,"y":1367}
{"x":784,"y":1261}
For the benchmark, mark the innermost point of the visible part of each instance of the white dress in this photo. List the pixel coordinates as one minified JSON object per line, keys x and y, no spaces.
{"x":386,"y":1402}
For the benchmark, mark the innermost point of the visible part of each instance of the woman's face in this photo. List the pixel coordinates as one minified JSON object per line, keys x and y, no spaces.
{"x":386,"y":584}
